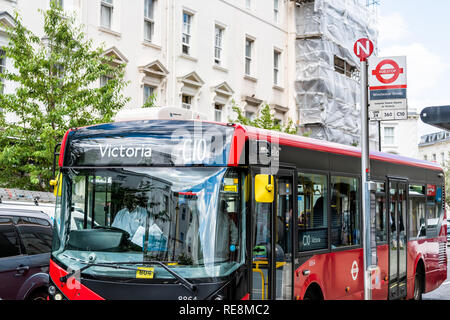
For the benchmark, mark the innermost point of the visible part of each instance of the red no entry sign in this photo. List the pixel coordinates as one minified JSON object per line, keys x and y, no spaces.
{"x":363,"y":48}
{"x":387,"y":75}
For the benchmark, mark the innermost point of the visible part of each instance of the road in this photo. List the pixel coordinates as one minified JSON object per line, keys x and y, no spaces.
{"x":443,"y":292}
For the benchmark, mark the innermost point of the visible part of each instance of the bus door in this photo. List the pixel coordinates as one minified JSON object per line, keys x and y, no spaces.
{"x":397,"y":206}
{"x":272,"y":237}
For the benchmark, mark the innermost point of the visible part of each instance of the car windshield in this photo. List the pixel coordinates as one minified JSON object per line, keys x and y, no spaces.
{"x":190,"y":219}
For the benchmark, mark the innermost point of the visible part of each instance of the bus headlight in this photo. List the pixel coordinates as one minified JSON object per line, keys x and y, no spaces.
{"x":58,"y":296}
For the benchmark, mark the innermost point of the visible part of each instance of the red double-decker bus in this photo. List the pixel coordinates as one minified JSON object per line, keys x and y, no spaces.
{"x":178,"y":209}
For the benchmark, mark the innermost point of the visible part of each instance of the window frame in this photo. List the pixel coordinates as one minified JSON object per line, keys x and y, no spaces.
{"x":409,"y":211}
{"x":276,"y":11}
{"x":149,"y":21}
{"x":389,"y":143}
{"x":218,"y":47}
{"x":276,"y":67}
{"x":327,"y":206}
{"x":2,"y":70}
{"x":152,"y":89}
{"x":183,"y":104}
{"x":249,"y":58}
{"x":386,"y":225}
{"x":109,"y":4}
{"x":361,"y":231}
{"x":186,"y":35}
{"x":22,"y":251}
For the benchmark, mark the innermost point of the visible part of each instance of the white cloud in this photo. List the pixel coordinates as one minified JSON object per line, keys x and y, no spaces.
{"x":425,"y":69}
{"x":392,"y":27}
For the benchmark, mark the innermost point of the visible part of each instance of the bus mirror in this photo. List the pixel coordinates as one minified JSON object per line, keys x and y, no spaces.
{"x":264,"y":188}
{"x":57,"y":185}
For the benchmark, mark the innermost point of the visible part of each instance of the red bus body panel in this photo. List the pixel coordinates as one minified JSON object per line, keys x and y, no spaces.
{"x":72,"y":290}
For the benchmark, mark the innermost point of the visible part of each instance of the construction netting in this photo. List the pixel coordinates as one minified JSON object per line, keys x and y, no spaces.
{"x":327,"y":70}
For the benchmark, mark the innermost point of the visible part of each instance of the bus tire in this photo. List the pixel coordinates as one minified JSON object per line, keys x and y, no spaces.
{"x":314,"y":293}
{"x":38,"y":295}
{"x":419,"y":282}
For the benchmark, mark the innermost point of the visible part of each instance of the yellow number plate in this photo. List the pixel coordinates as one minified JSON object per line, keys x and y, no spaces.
{"x":145,"y":273}
{"x":230,"y":188}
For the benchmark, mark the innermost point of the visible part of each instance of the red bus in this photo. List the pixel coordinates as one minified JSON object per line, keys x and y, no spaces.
{"x":184,"y":209}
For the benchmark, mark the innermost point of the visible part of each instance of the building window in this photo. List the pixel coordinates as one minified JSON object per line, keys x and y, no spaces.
{"x":250,"y":115}
{"x":104,"y":81}
{"x":186,"y":102}
{"x":276,"y":10}
{"x":443,"y":158}
{"x":248,"y":4}
{"x":2,"y":70}
{"x":218,"y":45}
{"x":248,"y":56}
{"x":106,"y":13}
{"x":218,"y":110}
{"x":148,"y":92}
{"x":341,"y":66}
{"x":425,"y":157}
{"x":187,"y":23}
{"x":434,"y":157}
{"x":59,"y":3}
{"x":149,"y":22}
{"x":389,"y":136}
{"x":276,"y":67}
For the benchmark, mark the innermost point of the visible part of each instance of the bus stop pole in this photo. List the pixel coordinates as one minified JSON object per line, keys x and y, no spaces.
{"x":365,"y":178}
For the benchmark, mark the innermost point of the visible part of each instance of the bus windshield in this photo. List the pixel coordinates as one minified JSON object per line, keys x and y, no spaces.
{"x":190,"y":219}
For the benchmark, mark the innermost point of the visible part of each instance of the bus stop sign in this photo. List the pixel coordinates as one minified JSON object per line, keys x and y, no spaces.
{"x":363,"y":48}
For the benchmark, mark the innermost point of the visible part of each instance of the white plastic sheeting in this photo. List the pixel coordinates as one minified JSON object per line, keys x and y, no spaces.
{"x":329,"y":102}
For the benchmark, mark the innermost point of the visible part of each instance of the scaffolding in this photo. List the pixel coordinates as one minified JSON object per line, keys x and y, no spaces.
{"x":327,"y":71}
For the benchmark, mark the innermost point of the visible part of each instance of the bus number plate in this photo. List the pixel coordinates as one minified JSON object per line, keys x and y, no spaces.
{"x":145,"y":273}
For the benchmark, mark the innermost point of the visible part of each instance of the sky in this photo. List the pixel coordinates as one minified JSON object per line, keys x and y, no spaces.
{"x":418,"y":30}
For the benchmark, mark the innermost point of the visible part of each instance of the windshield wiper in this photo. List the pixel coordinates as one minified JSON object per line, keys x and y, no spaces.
{"x":122,"y":265}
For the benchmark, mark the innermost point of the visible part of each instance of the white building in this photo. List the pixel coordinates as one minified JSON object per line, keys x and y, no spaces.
{"x":401,"y":137}
{"x":195,"y":54}
{"x":435,"y":147}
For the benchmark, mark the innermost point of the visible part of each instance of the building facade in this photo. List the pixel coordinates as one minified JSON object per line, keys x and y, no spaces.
{"x":199,"y":55}
{"x":401,"y":137}
{"x":207,"y":56}
{"x":435,"y":147}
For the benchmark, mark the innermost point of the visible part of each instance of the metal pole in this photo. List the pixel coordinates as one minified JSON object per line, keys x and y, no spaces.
{"x":365,"y":175}
{"x":379,"y":135}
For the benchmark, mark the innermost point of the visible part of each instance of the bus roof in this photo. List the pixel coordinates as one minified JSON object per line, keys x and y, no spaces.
{"x":242,"y":133}
{"x":331,"y":147}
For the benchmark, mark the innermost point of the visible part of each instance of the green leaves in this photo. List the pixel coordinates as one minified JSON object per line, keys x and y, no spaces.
{"x":265,"y":120}
{"x":57,"y":87}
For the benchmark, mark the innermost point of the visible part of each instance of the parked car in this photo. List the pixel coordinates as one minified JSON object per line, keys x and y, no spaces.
{"x":25,"y":245}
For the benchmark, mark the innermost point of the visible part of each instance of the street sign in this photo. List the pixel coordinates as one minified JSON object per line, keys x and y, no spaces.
{"x":387,"y":86}
{"x":363,"y":48}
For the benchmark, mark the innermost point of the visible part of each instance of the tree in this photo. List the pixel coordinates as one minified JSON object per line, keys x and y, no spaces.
{"x":57,"y":88}
{"x":447,"y":181}
{"x":265,"y":120}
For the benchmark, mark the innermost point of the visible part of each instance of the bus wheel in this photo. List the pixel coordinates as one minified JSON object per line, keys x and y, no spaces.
{"x":40,"y":294}
{"x":418,"y":284}
{"x":313,"y":293}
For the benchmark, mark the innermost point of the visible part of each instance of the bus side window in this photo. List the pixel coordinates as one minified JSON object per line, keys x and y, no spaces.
{"x":380,"y":199}
{"x":312,"y":212}
{"x":417,"y":226}
{"x":345,"y":217}
{"x":434,"y":205}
